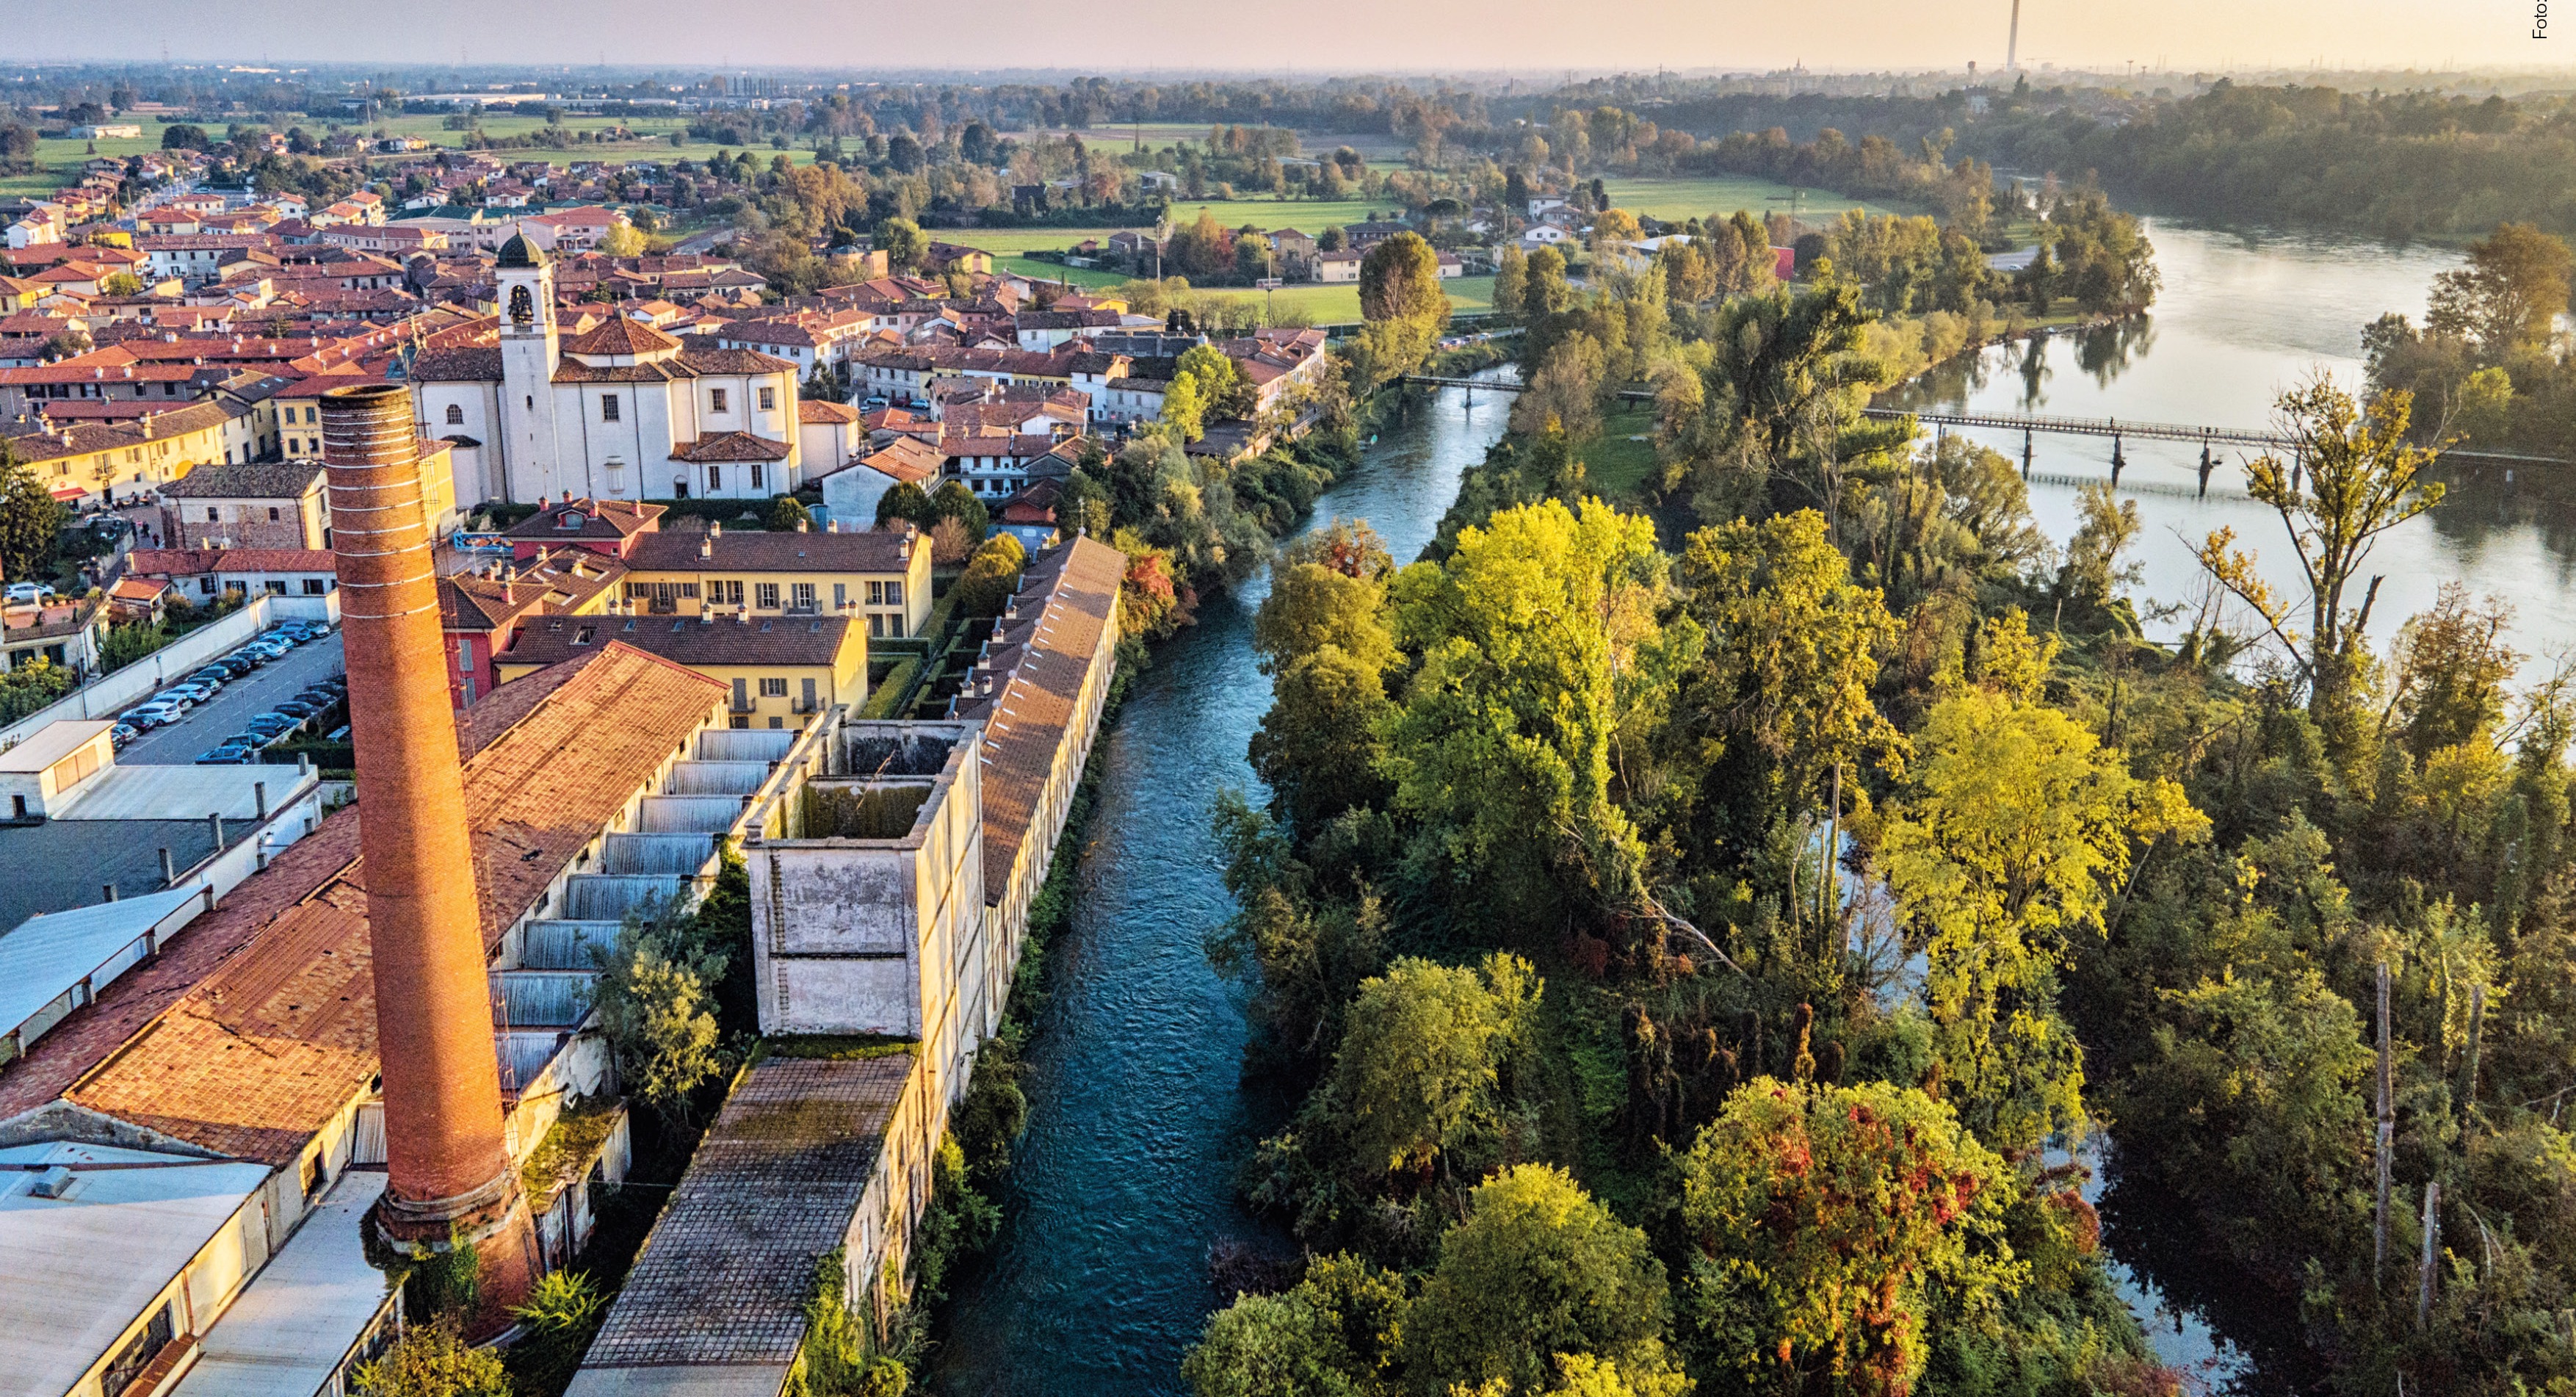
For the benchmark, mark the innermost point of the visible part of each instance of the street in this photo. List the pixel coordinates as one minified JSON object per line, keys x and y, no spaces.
{"x":239,"y":702}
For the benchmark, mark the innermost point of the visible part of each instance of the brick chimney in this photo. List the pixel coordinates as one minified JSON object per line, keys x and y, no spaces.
{"x":449,"y":1167}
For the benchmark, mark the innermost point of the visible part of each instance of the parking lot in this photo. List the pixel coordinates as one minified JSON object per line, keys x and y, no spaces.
{"x":239,"y":702}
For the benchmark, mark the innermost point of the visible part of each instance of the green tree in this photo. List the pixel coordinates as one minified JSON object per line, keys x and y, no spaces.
{"x":622,"y":240}
{"x":1322,"y":635}
{"x":786,"y":512}
{"x":181,"y":136}
{"x":1539,"y":649}
{"x":433,"y":1360}
{"x":1332,"y":1335}
{"x":2017,"y":825}
{"x":907,"y":503}
{"x":1511,"y":283}
{"x":1420,"y":1057}
{"x":656,"y":1009}
{"x":29,"y":687}
{"x":562,"y":1313}
{"x":1400,"y":280}
{"x":122,"y":284}
{"x":903,"y":243}
{"x":2507,"y":299}
{"x":991,"y":575}
{"x":954,"y":501}
{"x":30,"y":518}
{"x":1185,"y":407}
{"x":1538,"y":1268}
{"x":1545,"y":291}
{"x":1827,"y":1223}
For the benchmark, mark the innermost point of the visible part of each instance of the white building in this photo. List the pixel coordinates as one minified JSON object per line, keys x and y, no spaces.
{"x":618,"y":412}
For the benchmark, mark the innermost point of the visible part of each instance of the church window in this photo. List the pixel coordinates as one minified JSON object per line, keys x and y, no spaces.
{"x":715,"y":400}
{"x":455,"y":415}
{"x":715,"y":478}
{"x":608,"y":408}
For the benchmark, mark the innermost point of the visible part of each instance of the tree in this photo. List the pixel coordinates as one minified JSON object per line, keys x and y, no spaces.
{"x":2016,"y":826}
{"x":954,"y":501}
{"x":2507,"y":299}
{"x":1511,"y":283}
{"x":181,"y":136}
{"x":903,"y":243}
{"x":1546,"y":291}
{"x":433,"y":1360}
{"x":30,"y":518}
{"x":622,"y":240}
{"x":904,"y":502}
{"x":1400,"y":280}
{"x":29,"y":687}
{"x":655,"y":1007}
{"x":1827,"y":1222}
{"x":1331,"y":1335}
{"x":1783,"y":700}
{"x":1185,"y":408}
{"x":1538,"y":1269}
{"x":991,"y":575}
{"x":1420,"y":1056}
{"x":786,"y":513}
{"x":2352,"y":477}
{"x":1539,"y":646}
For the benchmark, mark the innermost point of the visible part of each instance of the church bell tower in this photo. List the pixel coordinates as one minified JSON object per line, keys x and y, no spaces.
{"x":530,"y":461}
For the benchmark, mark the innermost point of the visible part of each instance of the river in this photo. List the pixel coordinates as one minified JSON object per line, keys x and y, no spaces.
{"x":1099,"y":1281}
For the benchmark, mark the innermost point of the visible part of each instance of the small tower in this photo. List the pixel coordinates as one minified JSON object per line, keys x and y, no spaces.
{"x":529,"y":353}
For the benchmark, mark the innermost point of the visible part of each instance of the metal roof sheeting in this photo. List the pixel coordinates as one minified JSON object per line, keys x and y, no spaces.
{"x":288,"y":1332}
{"x":44,"y":959}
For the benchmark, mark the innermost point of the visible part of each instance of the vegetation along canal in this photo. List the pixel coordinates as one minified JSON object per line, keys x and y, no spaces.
{"x":1100,"y":1280}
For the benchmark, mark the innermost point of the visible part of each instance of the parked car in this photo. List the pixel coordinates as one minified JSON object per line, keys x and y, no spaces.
{"x":152,"y":715}
{"x":297,"y":709}
{"x":122,"y":734}
{"x":207,"y":680}
{"x":232,"y":666}
{"x":322,"y":695}
{"x":229,"y":754}
{"x":276,"y":722}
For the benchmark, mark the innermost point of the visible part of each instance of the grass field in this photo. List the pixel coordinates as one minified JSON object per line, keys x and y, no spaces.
{"x":1677,"y":198}
{"x":1615,"y":466}
{"x":1320,"y":305}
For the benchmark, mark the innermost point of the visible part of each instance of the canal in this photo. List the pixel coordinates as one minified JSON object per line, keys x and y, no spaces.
{"x":1099,"y":1282}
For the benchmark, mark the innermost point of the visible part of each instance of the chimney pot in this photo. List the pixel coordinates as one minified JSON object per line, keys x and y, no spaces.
{"x":259,"y":798}
{"x":109,"y":889}
{"x":169,"y":870}
{"x":215,"y":827}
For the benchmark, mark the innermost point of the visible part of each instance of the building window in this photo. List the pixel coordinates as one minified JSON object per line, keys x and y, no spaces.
{"x":876,"y":626}
{"x":778,"y":722}
{"x":840,"y":595}
{"x":455,"y":415}
{"x":716,"y":400}
{"x":773,"y":688}
{"x":211,"y":516}
{"x":724,"y":591}
{"x":765,"y":595}
{"x":894,"y":592}
{"x":769,"y":400}
{"x":314,"y":586}
{"x":715,"y":479}
{"x":608,"y":408}
{"x":756,"y":476}
{"x":894,"y":625}
{"x":137,"y":1355}
{"x":803,"y":592}
{"x":465,"y":652}
{"x":272,"y":514}
{"x":876,"y":594}
{"x":276,"y":588}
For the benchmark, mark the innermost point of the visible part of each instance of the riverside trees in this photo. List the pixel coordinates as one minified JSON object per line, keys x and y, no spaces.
{"x":1584,"y":853}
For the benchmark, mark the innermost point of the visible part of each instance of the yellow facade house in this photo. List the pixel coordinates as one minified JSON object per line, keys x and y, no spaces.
{"x":779,"y":670}
{"x":880,"y":580}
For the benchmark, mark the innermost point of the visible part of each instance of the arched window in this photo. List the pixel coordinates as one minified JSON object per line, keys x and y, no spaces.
{"x":455,"y":414}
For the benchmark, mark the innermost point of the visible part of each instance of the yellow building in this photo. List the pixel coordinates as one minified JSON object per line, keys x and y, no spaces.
{"x":81,"y":459}
{"x":880,"y":580}
{"x":781,"y":670}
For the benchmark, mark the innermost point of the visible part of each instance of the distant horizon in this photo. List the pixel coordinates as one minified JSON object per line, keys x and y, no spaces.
{"x":1433,"y":37}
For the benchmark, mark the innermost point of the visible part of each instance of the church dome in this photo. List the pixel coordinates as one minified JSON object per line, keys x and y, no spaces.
{"x":519,"y":252}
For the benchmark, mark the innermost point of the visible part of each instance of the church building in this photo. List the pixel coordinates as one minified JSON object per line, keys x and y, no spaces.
{"x":620,"y":411}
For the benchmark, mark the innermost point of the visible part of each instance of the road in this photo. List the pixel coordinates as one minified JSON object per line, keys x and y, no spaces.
{"x":239,"y":702}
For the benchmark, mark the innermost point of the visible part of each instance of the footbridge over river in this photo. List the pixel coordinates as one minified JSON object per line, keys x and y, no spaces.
{"x":2209,"y":438}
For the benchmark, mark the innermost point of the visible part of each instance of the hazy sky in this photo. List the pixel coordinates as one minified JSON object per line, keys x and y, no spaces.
{"x":1318,"y":35}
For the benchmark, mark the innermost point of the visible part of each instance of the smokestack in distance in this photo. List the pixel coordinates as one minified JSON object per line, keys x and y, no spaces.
{"x":449,"y":1171}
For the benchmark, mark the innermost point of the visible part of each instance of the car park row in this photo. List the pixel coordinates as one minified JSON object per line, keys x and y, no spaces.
{"x":280,"y":722}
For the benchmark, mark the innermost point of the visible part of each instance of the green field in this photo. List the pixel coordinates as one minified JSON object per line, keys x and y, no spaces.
{"x":1676,"y":198}
{"x":1321,"y":305}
